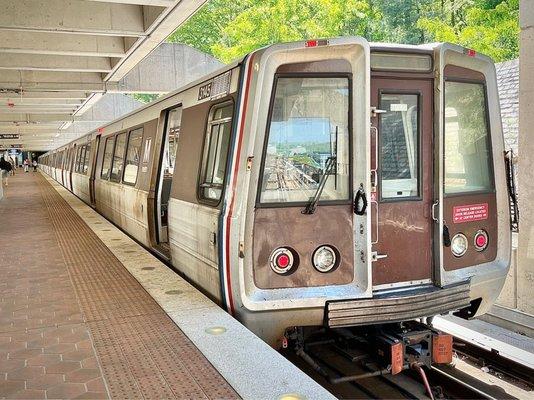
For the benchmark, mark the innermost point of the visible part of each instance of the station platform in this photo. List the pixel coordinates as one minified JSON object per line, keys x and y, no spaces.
{"x":85,"y":312}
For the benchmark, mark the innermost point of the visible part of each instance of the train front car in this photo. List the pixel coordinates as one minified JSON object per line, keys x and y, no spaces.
{"x":366,"y":186}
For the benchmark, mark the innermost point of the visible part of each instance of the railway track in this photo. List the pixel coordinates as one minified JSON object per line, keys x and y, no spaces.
{"x":467,"y":378}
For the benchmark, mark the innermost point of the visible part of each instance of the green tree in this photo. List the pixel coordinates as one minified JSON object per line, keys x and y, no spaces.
{"x":277,"y":21}
{"x":488,"y":26}
{"x":204,"y":30}
{"x":229,"y":29}
{"x":398,"y":22}
{"x":144,"y":97}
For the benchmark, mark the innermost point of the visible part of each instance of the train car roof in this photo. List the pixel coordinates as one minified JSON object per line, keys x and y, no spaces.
{"x":397,"y":47}
{"x":426,"y":48}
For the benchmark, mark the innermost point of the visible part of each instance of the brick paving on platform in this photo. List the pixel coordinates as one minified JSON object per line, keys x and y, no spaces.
{"x":73,"y":322}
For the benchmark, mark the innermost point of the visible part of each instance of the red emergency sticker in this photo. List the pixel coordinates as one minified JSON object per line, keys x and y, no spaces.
{"x":473,"y":212}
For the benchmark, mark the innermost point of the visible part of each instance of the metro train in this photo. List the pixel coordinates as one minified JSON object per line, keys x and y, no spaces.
{"x":333,"y":182}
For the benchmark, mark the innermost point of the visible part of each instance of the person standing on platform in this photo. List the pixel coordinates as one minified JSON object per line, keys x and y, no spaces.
{"x":13,"y":165}
{"x":5,"y":168}
{"x":34,"y":165}
{"x":26,"y":165}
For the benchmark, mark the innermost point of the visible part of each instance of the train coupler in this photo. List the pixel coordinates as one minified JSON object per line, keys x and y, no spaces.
{"x":413,"y":344}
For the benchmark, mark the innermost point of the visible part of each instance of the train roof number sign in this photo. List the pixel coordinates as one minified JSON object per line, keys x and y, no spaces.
{"x":204,"y":92}
{"x":217,"y":87}
{"x":9,"y":136}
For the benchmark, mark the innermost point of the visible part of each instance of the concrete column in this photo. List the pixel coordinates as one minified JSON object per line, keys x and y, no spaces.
{"x":525,"y":267}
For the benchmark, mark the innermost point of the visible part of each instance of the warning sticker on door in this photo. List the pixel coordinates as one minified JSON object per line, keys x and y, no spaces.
{"x":473,"y":212}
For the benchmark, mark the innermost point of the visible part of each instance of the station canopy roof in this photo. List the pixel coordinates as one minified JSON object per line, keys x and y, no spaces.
{"x":59,"y":57}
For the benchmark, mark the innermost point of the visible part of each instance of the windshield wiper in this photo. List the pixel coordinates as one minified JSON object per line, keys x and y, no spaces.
{"x":312,"y":205}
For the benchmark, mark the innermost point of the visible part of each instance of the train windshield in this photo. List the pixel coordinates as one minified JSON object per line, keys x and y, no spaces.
{"x":467,"y":147}
{"x":309,"y":125}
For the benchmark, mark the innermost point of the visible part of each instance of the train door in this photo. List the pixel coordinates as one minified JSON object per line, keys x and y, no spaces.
{"x":72,"y":164}
{"x":94,"y":157}
{"x":402,"y":193}
{"x":173,"y":120}
{"x":62,"y":166}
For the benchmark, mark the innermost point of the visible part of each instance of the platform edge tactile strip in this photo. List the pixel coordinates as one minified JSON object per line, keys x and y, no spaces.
{"x":143,"y":354}
{"x":248,"y":364}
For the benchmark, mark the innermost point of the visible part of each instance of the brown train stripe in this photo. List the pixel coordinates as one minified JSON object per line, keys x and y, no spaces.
{"x":142,"y":352}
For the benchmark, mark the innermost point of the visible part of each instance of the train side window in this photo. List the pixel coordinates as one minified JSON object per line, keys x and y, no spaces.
{"x":174,"y":121}
{"x":216,"y":152}
{"x":72,"y":161}
{"x":67,"y":159}
{"x":108,"y":153}
{"x":133,"y":154}
{"x":399,"y":145}
{"x":467,"y":145}
{"x":118,"y":158}
{"x":81,"y":155}
{"x":78,"y":159}
{"x":86,"y":158}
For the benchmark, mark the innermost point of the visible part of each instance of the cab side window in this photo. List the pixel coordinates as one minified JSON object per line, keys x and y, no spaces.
{"x":215,"y":154}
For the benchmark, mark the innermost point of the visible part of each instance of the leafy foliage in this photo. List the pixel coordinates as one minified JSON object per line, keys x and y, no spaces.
{"x":490,"y":27}
{"x":144,"y":97}
{"x":229,"y":29}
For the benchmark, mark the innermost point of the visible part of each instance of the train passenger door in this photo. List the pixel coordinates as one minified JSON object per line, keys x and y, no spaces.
{"x":94,"y":157}
{"x":72,"y":165}
{"x":402,"y":194}
{"x":173,"y":122}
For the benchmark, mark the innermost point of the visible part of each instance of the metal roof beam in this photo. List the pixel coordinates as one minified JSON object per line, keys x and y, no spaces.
{"x":37,"y":117}
{"x":162,"y":26}
{"x":47,"y":81}
{"x":73,"y":16}
{"x":42,"y":62}
{"x":44,"y":96}
{"x":61,"y":44}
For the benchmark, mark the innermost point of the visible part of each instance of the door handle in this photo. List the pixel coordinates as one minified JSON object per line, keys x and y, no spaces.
{"x":375,"y":256}
{"x":360,"y":201}
{"x":436,"y":203}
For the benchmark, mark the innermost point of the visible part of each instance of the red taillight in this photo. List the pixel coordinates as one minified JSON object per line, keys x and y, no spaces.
{"x":282,"y":260}
{"x":481,"y":240}
{"x":315,"y":43}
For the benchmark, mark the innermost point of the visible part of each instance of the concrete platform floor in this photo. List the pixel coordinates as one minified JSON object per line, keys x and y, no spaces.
{"x":73,"y":322}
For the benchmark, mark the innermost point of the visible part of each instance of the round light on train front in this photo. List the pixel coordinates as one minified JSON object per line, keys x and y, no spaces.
{"x":324,"y":259}
{"x":282,"y":260}
{"x":459,"y":244}
{"x":481,"y":240}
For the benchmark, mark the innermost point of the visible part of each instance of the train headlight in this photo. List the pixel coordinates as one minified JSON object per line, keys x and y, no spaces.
{"x":324,"y":259}
{"x":459,"y":244}
{"x":481,"y":240}
{"x":282,"y":260}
